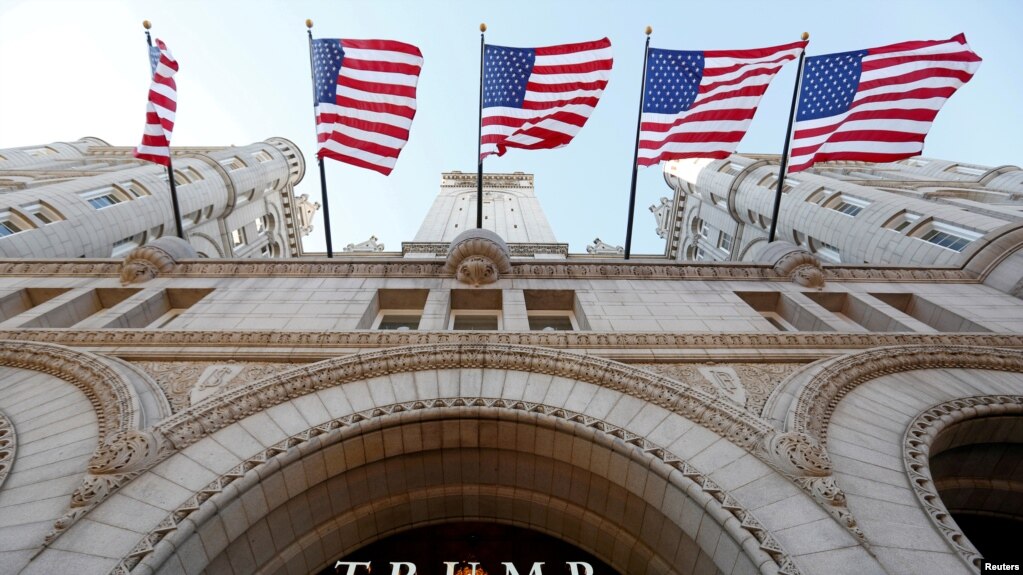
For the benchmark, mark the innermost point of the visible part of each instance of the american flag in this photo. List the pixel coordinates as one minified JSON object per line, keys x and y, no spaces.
{"x":163,"y":102}
{"x":539,"y":98}
{"x":876,"y":105}
{"x":365,"y":99}
{"x":699,"y":104}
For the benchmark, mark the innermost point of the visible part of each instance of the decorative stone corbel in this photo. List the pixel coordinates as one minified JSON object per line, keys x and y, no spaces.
{"x":794,"y":262}
{"x":806,"y":463}
{"x":159,"y":256}
{"x":477,"y":257}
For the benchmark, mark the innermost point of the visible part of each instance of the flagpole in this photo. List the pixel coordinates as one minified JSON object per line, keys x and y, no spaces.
{"x":788,"y":139}
{"x":479,"y":141}
{"x":635,"y":157}
{"x":170,"y":165}
{"x":319,"y":158}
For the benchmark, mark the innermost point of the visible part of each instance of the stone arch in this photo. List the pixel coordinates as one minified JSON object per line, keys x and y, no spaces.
{"x":939,"y":423}
{"x":856,"y":411}
{"x":235,"y":441}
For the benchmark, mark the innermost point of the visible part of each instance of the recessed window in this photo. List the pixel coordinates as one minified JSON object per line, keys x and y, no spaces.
{"x":966,"y":170}
{"x":233,"y":163}
{"x":475,"y":321}
{"x":399,"y":321}
{"x":724,"y":242}
{"x":701,"y":255}
{"x":846,"y":204}
{"x":731,"y":168}
{"x":192,"y":174}
{"x":948,"y":236}
{"x":136,"y":189}
{"x":8,"y":227}
{"x":825,"y":251}
{"x":122,"y":246}
{"x":105,"y":197}
{"x":237,"y":238}
{"x":43,"y":212}
{"x":702,"y":228}
{"x":903,"y":221}
{"x":262,"y":156}
{"x":261,"y":224}
{"x":771,"y":182}
{"x":551,"y":321}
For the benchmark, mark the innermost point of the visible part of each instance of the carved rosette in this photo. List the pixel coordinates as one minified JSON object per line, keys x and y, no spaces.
{"x":478,"y":257}
{"x":160,"y":256}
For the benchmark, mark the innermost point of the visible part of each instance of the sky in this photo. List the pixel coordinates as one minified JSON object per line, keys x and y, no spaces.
{"x":76,"y":68}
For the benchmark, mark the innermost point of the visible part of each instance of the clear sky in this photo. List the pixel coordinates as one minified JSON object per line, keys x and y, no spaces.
{"x":78,"y":68}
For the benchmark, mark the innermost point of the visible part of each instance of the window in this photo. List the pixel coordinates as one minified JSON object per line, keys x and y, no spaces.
{"x":8,"y":227}
{"x":193,"y":174}
{"x":949,"y":237}
{"x":400,"y":321}
{"x":551,"y":321}
{"x":701,"y":255}
{"x":262,"y":156}
{"x":233,"y":163}
{"x":123,"y":246}
{"x":43,"y":212}
{"x":476,"y":320}
{"x":966,"y":170}
{"x":136,"y":189}
{"x":105,"y":197}
{"x":902,"y":222}
{"x":724,"y":242}
{"x":40,"y":152}
{"x":846,"y":204}
{"x":262,"y":223}
{"x":704,"y":231}
{"x":237,"y":238}
{"x":825,"y":250}
{"x":771,"y":182}
{"x":799,"y":237}
{"x":731,"y":168}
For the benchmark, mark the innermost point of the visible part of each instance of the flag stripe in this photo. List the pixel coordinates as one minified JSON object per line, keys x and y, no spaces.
{"x":898,"y":92}
{"x":365,"y":114}
{"x":161,"y":106}
{"x":710,"y":125}
{"x":559,"y":93}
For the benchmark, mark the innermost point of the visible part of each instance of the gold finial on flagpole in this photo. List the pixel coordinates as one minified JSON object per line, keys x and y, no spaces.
{"x":649,"y":30}
{"x":146,"y":24}
{"x":805,"y":36}
{"x":483,"y":27}
{"x":308,"y":23}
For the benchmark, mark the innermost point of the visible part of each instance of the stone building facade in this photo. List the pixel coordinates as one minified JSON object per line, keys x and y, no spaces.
{"x":163,"y":413}
{"x":91,"y":200}
{"x":919,"y":211}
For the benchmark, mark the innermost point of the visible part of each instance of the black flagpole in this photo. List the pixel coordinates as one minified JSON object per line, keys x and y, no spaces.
{"x":479,"y":141}
{"x":635,"y":157}
{"x":788,"y":139}
{"x":170,"y":166}
{"x":319,"y":158}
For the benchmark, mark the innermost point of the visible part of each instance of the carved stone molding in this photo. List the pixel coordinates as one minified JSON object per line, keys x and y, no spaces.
{"x":599,"y":248}
{"x":478,"y":256}
{"x":718,"y":415}
{"x":123,"y":338}
{"x":112,"y":398}
{"x":351,"y":425}
{"x":393,"y":267}
{"x":758,"y":380}
{"x":160,"y":256}
{"x":178,"y":379}
{"x":371,"y":245}
{"x":916,"y":448}
{"x":8,"y":447}
{"x":819,"y":397}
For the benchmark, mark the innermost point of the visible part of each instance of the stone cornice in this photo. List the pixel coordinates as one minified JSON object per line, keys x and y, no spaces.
{"x":399,"y":268}
{"x":8,"y":446}
{"x":374,"y":339}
